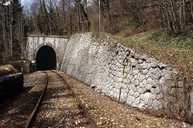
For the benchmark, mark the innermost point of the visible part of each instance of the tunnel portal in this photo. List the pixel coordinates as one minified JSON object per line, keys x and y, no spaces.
{"x":46,"y":58}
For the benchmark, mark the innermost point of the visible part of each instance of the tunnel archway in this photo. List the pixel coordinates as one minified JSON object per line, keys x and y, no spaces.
{"x":46,"y":58}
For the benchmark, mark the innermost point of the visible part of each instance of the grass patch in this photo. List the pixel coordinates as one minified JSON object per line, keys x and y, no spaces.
{"x":164,"y":40}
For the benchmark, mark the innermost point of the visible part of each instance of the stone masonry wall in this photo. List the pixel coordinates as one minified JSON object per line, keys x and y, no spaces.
{"x":117,"y":71}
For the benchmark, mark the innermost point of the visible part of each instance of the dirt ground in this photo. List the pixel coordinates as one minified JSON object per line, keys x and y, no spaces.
{"x":104,"y":111}
{"x":110,"y":114}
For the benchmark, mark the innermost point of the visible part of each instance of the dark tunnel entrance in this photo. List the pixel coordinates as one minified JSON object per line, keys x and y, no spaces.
{"x":46,"y":58}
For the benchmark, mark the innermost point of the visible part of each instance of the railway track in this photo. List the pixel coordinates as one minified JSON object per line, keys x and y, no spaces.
{"x":35,"y":110}
{"x":59,"y":108}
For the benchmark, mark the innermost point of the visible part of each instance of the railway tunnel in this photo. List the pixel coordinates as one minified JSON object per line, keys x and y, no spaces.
{"x":46,"y":58}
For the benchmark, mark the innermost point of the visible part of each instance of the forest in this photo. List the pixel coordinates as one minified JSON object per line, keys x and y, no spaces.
{"x":70,"y":16}
{"x":65,"y":17}
{"x":11,"y":30}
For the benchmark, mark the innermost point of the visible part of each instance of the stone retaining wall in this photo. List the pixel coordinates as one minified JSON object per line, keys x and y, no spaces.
{"x":117,"y":71}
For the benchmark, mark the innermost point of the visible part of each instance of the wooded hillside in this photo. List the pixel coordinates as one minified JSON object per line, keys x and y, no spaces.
{"x":65,"y":17}
{"x":70,"y":16}
{"x":11,"y":30}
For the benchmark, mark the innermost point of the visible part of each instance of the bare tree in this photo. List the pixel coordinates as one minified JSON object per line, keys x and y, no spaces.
{"x":70,"y":16}
{"x":11,"y":32}
{"x":176,"y":15}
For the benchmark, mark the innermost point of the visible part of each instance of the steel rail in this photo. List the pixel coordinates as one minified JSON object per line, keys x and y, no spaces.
{"x":38,"y":104}
{"x":36,"y":108}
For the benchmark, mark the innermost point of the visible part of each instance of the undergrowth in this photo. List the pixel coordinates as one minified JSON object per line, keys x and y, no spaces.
{"x":172,"y":50}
